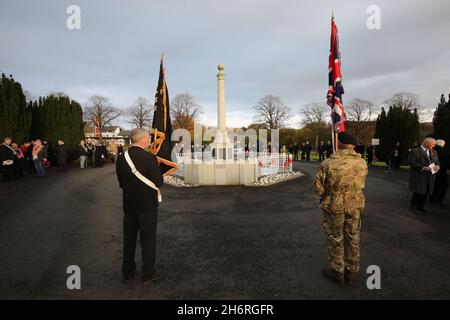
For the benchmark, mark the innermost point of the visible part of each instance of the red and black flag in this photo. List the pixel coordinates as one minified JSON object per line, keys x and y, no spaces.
{"x":162,"y":126}
{"x":335,"y":88}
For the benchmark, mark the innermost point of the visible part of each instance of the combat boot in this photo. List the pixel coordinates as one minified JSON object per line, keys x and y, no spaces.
{"x":334,"y":275}
{"x":350,"y":277}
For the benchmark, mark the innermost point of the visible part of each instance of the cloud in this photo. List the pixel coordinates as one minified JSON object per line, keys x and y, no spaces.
{"x":268,"y":47}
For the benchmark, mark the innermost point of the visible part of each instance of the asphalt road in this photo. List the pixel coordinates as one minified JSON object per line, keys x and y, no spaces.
{"x":217,"y":242}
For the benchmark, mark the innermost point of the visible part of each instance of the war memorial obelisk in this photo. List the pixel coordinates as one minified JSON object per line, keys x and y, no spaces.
{"x":222,"y":144}
{"x":222,"y":169}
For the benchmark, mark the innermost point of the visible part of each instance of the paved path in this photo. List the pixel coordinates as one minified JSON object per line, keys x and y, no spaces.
{"x":219,"y":242}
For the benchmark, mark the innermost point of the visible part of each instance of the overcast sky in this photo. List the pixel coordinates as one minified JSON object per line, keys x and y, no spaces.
{"x":275,"y":47}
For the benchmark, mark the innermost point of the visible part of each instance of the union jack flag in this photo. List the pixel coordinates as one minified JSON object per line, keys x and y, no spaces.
{"x":335,"y":89}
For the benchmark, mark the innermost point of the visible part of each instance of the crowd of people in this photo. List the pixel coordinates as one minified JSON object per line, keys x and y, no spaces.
{"x":93,"y":154}
{"x":32,"y":157}
{"x":325,"y":150}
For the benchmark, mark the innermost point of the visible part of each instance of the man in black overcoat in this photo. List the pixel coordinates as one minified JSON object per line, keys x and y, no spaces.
{"x":140,"y":207}
{"x":421,"y":177}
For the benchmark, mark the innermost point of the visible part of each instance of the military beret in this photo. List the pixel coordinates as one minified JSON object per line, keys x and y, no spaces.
{"x":347,"y":138}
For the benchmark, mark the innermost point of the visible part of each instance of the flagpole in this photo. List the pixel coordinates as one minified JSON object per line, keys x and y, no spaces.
{"x":332,"y":138}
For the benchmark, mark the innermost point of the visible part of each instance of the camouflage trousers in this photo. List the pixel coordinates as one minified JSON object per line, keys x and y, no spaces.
{"x":342,"y":231}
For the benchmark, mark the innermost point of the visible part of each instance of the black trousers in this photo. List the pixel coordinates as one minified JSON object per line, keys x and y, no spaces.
{"x":418,"y":200}
{"x":145,"y":224}
{"x":7,"y":173}
{"x":62,"y":166}
{"x":440,"y":188}
{"x":307,"y":156}
{"x":321,"y":156}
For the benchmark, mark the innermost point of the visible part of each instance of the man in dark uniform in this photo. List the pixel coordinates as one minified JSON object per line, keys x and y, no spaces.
{"x":140,"y":207}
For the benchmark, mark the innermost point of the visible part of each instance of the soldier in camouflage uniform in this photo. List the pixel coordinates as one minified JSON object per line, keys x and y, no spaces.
{"x":340,"y":184}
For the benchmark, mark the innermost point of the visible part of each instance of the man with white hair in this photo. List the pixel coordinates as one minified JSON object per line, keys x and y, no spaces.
{"x":424,"y":164}
{"x":440,"y":189}
{"x":140,"y":205}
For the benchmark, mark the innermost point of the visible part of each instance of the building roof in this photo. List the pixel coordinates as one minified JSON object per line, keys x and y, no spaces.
{"x":110,"y":128}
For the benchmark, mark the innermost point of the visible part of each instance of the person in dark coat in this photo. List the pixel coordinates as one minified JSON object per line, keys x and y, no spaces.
{"x":421,"y":177}
{"x":7,"y":157}
{"x":29,"y":156}
{"x":360,"y":149}
{"x":440,"y":188}
{"x":120,"y":150}
{"x":329,"y":148}
{"x":303,"y":150}
{"x":90,"y":149}
{"x":322,"y":150}
{"x":105,"y":154}
{"x":61,"y":156}
{"x":369,"y":152}
{"x":295,"y":151}
{"x":308,"y":150}
{"x":19,"y":162}
{"x":396,"y":156}
{"x":140,"y":207}
{"x":100,"y":155}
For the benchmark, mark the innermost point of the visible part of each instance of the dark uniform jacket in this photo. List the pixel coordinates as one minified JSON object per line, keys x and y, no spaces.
{"x":137,"y":196}
{"x":420,"y":181}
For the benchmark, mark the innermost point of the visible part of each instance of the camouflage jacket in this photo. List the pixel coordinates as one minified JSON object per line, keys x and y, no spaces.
{"x":340,"y":182}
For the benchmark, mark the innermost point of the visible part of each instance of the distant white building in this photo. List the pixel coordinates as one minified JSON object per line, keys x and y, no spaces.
{"x":109,"y":134}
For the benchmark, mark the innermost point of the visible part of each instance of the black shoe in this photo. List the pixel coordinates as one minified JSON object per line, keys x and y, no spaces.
{"x":334,"y":275}
{"x":159,"y":275}
{"x":422,"y":210}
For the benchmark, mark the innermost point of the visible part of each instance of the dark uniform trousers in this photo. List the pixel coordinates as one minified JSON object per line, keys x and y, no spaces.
{"x":145,"y":224}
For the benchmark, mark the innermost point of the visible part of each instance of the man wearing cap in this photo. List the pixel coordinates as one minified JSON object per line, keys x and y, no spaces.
{"x":340,"y":183}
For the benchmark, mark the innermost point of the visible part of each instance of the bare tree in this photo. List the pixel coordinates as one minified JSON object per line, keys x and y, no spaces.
{"x":315,"y":113}
{"x":28,"y":95}
{"x":403,"y":99}
{"x":358,"y":113}
{"x":315,"y":119}
{"x":99,"y":112}
{"x":359,"y":110}
{"x":184,"y":111}
{"x":271,"y":111}
{"x":58,"y":94}
{"x":140,"y":113}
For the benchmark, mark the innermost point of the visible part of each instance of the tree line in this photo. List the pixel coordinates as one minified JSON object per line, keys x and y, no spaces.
{"x":56,"y":116}
{"x":50,"y":118}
